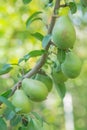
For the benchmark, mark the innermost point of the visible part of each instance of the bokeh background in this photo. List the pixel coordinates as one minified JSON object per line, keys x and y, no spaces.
{"x":16,"y":41}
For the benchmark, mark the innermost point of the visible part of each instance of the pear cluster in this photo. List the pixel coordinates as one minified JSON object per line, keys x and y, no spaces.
{"x":64,"y":37}
{"x":36,"y":89}
{"x":32,"y":90}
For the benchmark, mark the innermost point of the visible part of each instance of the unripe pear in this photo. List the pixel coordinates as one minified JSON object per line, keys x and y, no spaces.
{"x":21,"y":101}
{"x":36,"y":90}
{"x":71,"y":67}
{"x":57,"y":74}
{"x":58,"y":77}
{"x":64,"y":34}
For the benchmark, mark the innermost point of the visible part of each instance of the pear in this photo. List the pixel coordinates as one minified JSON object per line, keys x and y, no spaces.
{"x":58,"y":76}
{"x":36,"y":90}
{"x":64,"y":34}
{"x":71,"y":67}
{"x":21,"y":101}
{"x":46,"y":80}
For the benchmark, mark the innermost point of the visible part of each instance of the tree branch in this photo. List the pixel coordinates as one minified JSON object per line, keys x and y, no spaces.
{"x":44,"y":56}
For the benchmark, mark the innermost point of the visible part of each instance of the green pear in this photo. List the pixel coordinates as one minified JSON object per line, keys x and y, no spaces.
{"x":46,"y":80}
{"x":58,"y":77}
{"x":21,"y":101}
{"x":71,"y":67}
{"x":36,"y":90}
{"x":64,"y":34}
{"x":57,"y":74}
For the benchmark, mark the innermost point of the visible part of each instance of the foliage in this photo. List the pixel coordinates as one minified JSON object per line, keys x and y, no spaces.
{"x":25,"y":40}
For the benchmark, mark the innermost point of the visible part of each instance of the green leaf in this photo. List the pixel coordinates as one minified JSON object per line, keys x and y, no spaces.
{"x":31,"y":21}
{"x":17,"y":119}
{"x":6,"y":93}
{"x":5,"y":69}
{"x":38,"y":36}
{"x":26,"y":1}
{"x":20,"y":60}
{"x":3,"y":125}
{"x":83,"y":3}
{"x":34,"y":15}
{"x":31,"y":125}
{"x":73,"y":7}
{"x":50,"y":1}
{"x":32,"y":54}
{"x":61,"y":89}
{"x":38,"y":117}
{"x":8,"y":114}
{"x":23,"y":128}
{"x":8,"y":103}
{"x":33,"y":18}
{"x":34,"y":124}
{"x":46,"y":40}
{"x":61,"y":55}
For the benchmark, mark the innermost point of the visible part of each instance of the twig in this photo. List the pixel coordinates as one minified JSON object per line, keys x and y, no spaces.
{"x":44,"y":56}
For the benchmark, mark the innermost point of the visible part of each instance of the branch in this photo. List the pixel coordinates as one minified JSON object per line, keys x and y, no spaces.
{"x":44,"y":56}
{"x":56,"y":7}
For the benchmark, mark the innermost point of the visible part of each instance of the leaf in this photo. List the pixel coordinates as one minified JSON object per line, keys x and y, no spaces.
{"x":73,"y":7}
{"x":34,"y":124}
{"x":50,"y":1}
{"x":26,"y":1}
{"x":3,"y":125}
{"x":61,"y":55}
{"x":38,"y":117}
{"x":31,"y":125}
{"x":38,"y":36}
{"x":8,"y":103}
{"x":20,"y":60}
{"x":6,"y":93}
{"x":34,"y":15}
{"x":23,"y":128}
{"x":32,"y":54}
{"x":83,"y":4}
{"x":32,"y":18}
{"x":29,"y":22}
{"x":46,"y":40}
{"x":61,"y":89}
{"x":8,"y":114}
{"x":15,"y":120}
{"x":5,"y":69}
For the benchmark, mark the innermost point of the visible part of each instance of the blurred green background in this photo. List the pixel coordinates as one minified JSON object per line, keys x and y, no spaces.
{"x":16,"y":41}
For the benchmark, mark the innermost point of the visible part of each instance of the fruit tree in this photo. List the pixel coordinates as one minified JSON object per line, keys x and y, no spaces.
{"x":46,"y":59}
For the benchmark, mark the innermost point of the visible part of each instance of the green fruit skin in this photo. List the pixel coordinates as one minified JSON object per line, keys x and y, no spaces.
{"x":64,"y":34}
{"x":71,"y":67}
{"x":46,"y":80}
{"x":58,"y":77}
{"x":36,"y":90}
{"x":21,"y":101}
{"x":84,"y":3}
